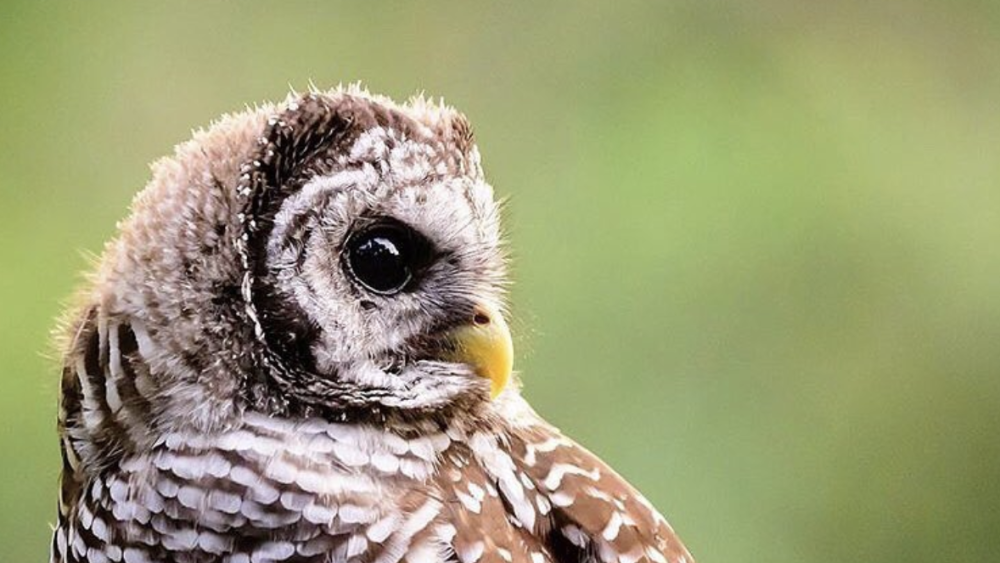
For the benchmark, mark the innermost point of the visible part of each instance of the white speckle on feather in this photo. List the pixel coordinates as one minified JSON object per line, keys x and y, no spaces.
{"x":472,"y":552}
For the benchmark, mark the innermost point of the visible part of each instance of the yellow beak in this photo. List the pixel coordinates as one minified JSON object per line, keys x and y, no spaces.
{"x":485,"y":345}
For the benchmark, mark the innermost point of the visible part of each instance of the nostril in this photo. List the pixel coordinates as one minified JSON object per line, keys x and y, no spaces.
{"x":481,"y":318}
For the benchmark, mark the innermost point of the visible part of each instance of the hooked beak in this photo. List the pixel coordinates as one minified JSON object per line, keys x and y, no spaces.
{"x":485,"y":345}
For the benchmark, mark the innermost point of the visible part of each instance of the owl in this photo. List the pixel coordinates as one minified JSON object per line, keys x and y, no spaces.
{"x":295,"y":350}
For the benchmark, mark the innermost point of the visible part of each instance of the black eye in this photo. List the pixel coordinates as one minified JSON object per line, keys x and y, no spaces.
{"x":385,"y":258}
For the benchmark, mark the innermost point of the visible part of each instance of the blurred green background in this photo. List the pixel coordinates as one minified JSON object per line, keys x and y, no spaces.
{"x":757,"y":244}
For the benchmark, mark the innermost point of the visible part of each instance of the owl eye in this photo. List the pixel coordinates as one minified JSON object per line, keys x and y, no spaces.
{"x":385,"y":258}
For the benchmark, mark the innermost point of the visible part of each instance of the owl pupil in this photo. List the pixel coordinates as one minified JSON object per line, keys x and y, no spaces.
{"x":382,"y":259}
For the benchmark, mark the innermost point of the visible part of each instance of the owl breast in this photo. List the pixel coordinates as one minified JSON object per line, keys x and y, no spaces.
{"x":271,"y":490}
{"x":309,"y":490}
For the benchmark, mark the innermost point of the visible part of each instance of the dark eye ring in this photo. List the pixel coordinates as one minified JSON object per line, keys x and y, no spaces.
{"x":385,"y":257}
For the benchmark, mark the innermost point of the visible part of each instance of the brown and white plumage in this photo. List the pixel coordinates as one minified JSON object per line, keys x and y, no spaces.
{"x":245,"y":381}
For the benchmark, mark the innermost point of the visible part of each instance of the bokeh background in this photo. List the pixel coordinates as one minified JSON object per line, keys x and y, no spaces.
{"x":757,"y":243}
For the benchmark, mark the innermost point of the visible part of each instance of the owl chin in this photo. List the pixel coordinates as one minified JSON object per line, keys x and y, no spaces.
{"x":380,"y":391}
{"x":423,"y":385}
{"x":457,"y":366}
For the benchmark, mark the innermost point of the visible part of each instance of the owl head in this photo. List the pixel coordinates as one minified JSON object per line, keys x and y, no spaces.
{"x":335,"y":255}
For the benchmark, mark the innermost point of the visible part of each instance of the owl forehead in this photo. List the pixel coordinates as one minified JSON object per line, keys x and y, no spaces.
{"x":319,"y":147}
{"x":421,"y":179}
{"x":413,"y":158}
{"x":410,"y":142}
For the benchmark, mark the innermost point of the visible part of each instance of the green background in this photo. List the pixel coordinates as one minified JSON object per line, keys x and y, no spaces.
{"x":757,"y":244}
